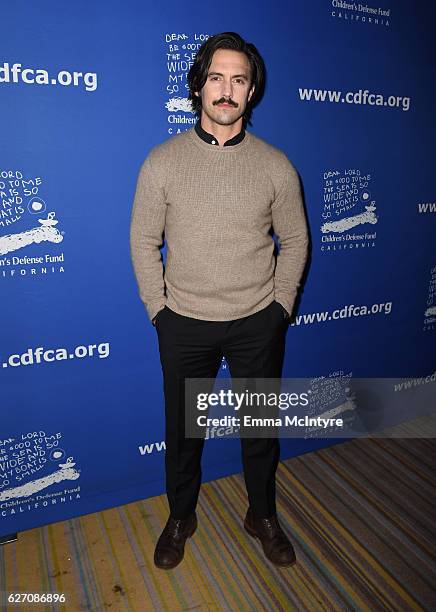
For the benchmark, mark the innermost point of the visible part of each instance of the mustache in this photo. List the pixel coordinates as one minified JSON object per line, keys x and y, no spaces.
{"x":225,"y":101}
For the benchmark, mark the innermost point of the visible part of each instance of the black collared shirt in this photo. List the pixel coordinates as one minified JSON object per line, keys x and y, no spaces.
{"x":213,"y":140}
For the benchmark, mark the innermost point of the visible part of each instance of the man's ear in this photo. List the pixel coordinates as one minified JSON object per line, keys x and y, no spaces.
{"x":196,"y":94}
{"x":250,"y":94}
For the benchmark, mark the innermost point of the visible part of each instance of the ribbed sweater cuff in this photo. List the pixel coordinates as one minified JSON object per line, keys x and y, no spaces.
{"x":286,"y":300}
{"x":154,"y":307}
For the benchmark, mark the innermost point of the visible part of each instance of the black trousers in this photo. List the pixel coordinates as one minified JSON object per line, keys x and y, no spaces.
{"x":190,"y":348}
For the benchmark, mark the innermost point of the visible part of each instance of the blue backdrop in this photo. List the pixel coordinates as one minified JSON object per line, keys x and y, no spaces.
{"x":87,"y":89}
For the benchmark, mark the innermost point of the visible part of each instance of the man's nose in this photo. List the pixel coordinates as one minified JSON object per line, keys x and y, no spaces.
{"x":227,"y":88}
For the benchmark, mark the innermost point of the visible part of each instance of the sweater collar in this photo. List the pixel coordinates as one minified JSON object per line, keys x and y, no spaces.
{"x":212,"y":140}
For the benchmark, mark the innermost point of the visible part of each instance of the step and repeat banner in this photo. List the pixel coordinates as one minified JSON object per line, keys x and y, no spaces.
{"x":87,"y":89}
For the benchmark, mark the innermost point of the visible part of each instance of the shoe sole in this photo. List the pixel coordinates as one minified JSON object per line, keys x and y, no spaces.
{"x":253,"y":534}
{"x":173,"y":565}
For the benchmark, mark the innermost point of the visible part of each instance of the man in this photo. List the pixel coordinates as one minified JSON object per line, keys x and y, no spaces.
{"x":215,"y":191}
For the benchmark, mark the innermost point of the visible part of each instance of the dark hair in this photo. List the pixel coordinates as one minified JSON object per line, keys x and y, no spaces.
{"x":197,"y":74}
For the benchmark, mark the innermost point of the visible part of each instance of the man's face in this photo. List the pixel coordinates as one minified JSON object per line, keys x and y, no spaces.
{"x":227,"y":90}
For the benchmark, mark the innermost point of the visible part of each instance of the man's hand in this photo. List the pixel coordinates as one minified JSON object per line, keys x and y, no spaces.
{"x":285,"y":312}
{"x":153,"y":321}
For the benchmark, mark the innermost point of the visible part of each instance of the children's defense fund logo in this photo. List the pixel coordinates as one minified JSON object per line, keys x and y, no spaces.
{"x":361,"y":13}
{"x":349,"y":216}
{"x":35,"y":473}
{"x":29,"y":236}
{"x":430,"y":309}
{"x":180,"y":52}
{"x":328,"y":398}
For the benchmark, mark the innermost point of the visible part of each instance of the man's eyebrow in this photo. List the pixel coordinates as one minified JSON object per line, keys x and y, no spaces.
{"x":233,"y":77}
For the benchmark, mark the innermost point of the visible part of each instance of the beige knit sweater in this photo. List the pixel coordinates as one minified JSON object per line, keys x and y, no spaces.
{"x":216,"y":206}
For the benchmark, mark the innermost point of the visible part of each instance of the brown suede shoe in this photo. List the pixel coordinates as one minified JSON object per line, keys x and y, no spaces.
{"x":170,"y":547}
{"x":275,"y":544}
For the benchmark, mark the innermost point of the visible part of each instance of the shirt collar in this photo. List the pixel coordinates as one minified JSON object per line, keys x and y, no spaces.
{"x":209,"y":138}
